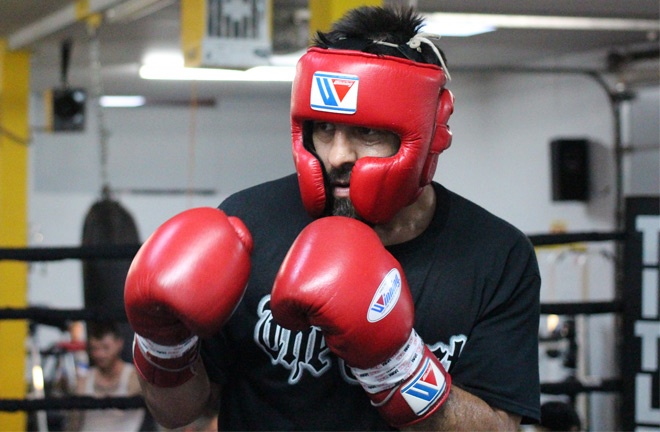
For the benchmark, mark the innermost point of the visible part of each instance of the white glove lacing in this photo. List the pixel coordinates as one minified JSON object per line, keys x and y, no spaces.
{"x":394,"y":370}
{"x":166,"y":352}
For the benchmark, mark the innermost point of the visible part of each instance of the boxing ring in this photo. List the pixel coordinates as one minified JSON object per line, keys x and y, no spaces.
{"x":635,"y":307}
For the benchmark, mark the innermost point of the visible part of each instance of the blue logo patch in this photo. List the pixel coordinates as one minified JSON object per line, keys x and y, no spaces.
{"x":386,"y":296}
{"x":425,"y":388}
{"x":334,"y":92}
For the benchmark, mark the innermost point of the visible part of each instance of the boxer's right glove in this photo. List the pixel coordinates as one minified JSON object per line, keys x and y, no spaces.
{"x":183,"y":284}
{"x":339,"y":277}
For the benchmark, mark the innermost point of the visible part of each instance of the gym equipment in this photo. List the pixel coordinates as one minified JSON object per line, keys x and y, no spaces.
{"x":108,"y":223}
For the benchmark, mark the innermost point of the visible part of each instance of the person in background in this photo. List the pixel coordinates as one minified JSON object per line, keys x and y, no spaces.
{"x":357,"y":293}
{"x":108,"y":375}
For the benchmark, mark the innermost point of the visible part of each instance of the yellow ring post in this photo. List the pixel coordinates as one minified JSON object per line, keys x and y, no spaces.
{"x":14,"y":133}
{"x":324,"y":12}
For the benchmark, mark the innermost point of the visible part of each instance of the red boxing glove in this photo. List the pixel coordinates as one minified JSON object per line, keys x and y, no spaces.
{"x":184,"y":283}
{"x":339,"y":277}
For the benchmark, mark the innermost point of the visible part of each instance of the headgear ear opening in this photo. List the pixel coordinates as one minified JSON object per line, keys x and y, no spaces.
{"x":308,"y":144}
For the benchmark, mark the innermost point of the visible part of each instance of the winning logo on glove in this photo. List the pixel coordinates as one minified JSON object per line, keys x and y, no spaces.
{"x":386,"y":296}
{"x":424,"y":389}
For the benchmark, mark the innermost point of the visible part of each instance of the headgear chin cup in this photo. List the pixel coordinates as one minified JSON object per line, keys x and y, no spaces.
{"x":379,"y":92}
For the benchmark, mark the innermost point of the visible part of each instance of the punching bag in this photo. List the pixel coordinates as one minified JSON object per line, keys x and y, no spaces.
{"x":107,"y":223}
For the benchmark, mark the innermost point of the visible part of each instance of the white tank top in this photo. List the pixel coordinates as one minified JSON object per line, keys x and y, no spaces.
{"x":112,"y":419}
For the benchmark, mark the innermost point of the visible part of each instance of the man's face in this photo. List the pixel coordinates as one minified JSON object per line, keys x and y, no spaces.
{"x":105,"y":351}
{"x":339,"y":146}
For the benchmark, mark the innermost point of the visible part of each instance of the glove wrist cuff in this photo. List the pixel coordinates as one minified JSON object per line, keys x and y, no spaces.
{"x":161,"y":366}
{"x":418,"y":395}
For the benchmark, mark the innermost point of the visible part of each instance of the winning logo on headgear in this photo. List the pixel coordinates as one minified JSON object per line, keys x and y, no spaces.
{"x":334,"y":92}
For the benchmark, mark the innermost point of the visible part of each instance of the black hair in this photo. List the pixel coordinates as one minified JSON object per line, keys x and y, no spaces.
{"x":99,"y":329}
{"x":362,"y":28}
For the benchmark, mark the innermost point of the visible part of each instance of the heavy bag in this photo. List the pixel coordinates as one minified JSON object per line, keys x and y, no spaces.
{"x":107,"y":223}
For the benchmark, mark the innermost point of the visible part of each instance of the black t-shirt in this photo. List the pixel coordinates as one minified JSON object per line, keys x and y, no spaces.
{"x":475,"y":282}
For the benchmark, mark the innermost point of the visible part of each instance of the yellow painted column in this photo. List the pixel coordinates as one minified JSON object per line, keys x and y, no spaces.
{"x":14,"y":132}
{"x":324,"y":12}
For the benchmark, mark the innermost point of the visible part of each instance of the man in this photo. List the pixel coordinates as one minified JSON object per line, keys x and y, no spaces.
{"x":376,"y":299}
{"x":109,"y":376}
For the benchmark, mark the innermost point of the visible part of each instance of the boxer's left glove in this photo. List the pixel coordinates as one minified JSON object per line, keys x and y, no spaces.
{"x":183,"y":284}
{"x":339,"y":277}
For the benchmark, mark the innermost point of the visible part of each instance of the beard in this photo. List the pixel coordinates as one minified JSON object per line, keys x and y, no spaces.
{"x":340,"y":206}
{"x":344,"y":207}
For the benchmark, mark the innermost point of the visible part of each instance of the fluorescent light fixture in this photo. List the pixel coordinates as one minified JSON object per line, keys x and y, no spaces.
{"x":452,"y":20}
{"x":122,"y":101}
{"x":282,"y":68}
{"x":452,"y":28}
{"x":168,"y":66}
{"x":259,"y":73}
{"x":163,"y":59}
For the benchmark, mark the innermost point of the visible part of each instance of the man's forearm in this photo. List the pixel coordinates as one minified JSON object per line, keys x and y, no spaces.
{"x":464,"y":411}
{"x":175,"y":407}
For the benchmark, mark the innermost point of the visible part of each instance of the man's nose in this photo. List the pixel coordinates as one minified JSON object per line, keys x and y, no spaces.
{"x":341,"y":150}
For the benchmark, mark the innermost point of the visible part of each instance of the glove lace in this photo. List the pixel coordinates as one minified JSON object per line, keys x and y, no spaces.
{"x":165,"y":352}
{"x":394,"y":370}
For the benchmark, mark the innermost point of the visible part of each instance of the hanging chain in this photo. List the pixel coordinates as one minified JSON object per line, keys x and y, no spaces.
{"x":96,"y":93}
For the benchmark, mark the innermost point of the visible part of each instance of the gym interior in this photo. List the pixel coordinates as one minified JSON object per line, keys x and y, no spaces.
{"x":555,"y":129}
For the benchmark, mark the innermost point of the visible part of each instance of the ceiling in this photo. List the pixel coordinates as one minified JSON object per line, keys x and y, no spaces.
{"x":124,"y":44}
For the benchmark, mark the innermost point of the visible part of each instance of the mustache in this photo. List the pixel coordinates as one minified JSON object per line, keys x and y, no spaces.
{"x":334,"y":176}
{"x":340,"y":175}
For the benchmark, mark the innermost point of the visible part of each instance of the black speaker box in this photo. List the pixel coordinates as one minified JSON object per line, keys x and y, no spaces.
{"x":570,"y":169}
{"x":68,"y":109}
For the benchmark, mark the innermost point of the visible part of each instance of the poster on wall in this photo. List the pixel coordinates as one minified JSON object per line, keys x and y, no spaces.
{"x":640,"y":358}
{"x":226,"y":33}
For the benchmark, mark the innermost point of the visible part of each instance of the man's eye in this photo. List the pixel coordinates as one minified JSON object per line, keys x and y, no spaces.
{"x":371,"y":135}
{"x":322,"y":127}
{"x":367,"y":131}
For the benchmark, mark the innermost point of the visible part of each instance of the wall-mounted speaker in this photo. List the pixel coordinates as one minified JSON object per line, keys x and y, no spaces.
{"x":66,"y":108}
{"x":570,"y":169}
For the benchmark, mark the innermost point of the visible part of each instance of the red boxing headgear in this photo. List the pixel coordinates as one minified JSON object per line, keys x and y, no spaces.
{"x":379,"y":92}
